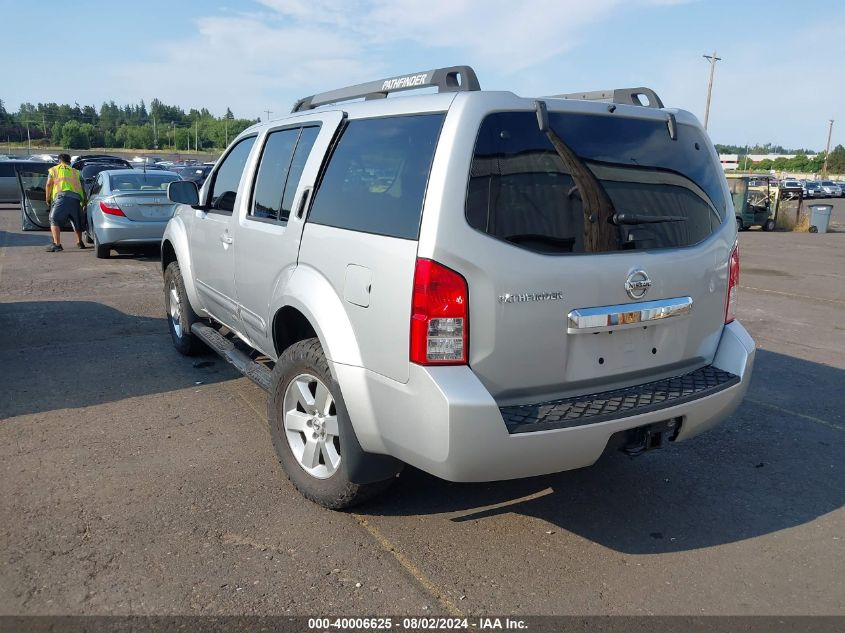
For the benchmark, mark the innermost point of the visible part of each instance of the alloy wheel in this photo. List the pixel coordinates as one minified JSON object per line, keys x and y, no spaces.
{"x":311,"y":428}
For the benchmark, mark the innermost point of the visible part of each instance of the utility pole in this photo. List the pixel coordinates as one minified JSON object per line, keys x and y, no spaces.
{"x":196,"y":135}
{"x":29,"y":142}
{"x":155,"y":133}
{"x":827,"y":151}
{"x":713,"y":59}
{"x":44,"y":124}
{"x":269,"y":112}
{"x":226,"y":127}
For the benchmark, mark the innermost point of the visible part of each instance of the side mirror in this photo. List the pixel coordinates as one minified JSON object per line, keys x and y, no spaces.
{"x":183,"y":192}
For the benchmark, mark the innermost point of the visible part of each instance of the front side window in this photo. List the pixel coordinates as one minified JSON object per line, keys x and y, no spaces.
{"x":376,"y":179}
{"x":224,"y":189}
{"x":543,"y":191}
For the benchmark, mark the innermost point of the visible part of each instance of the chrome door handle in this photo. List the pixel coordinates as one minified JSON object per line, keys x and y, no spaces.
{"x":226,"y":239}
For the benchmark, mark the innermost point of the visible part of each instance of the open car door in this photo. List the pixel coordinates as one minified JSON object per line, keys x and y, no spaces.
{"x":35,"y":212}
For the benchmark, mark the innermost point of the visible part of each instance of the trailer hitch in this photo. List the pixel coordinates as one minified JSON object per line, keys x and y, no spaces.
{"x":651,"y":436}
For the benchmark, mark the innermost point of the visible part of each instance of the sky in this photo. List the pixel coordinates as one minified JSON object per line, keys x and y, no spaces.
{"x":779,"y":81}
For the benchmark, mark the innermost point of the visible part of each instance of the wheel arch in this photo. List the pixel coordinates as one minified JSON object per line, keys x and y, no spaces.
{"x":175,"y":247}
{"x":307,"y":295}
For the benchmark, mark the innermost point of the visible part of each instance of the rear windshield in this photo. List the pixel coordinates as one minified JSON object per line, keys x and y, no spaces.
{"x":140,"y":182}
{"x":642,"y":189}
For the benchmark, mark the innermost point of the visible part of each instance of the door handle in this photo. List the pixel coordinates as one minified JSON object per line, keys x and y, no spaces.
{"x":303,"y":202}
{"x":226,"y":239}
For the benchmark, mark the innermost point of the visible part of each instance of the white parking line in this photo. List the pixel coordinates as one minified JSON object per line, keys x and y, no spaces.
{"x":791,"y":294}
{"x":804,"y":416}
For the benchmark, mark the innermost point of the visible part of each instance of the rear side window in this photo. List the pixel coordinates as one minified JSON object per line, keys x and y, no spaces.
{"x":273,"y":173}
{"x":282,"y":162}
{"x":300,"y":156}
{"x":376,"y":179}
{"x":224,"y":190}
{"x":524,"y":190}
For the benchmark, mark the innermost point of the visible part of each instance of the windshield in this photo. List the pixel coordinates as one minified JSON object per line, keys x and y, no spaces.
{"x":141,"y":182}
{"x":662,"y":192}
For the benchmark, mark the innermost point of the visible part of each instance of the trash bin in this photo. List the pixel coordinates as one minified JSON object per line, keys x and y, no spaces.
{"x":819,"y":217}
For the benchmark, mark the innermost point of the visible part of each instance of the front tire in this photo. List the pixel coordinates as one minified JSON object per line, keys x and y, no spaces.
{"x":180,"y":314}
{"x":769,"y":225}
{"x":305,"y":408}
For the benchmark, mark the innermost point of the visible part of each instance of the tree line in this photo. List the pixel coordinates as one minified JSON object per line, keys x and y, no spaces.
{"x":800,"y":163}
{"x":134,"y":126}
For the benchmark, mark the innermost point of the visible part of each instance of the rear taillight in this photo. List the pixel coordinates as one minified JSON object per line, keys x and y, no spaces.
{"x":439,"y":315}
{"x":111,"y":208}
{"x":733,"y":285}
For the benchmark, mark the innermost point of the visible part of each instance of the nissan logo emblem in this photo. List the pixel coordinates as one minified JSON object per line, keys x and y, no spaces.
{"x":637,"y":284}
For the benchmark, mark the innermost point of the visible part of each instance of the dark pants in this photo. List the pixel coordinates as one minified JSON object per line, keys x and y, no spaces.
{"x":66,"y":206}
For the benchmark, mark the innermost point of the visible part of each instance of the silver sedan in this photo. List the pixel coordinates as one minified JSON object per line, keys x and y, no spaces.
{"x":128,"y":207}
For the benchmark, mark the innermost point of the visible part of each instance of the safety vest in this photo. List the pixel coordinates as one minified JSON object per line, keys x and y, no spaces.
{"x":64,"y":178}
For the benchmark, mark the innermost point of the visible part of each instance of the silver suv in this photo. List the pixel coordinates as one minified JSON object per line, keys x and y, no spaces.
{"x":478,"y":284}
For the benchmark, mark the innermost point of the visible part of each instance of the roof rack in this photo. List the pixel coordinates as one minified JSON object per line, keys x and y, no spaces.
{"x":628,"y":96}
{"x":451,"y":79}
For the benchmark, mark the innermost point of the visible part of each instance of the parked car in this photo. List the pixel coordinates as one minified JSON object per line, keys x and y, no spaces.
{"x":126,"y":208}
{"x":812,"y":189}
{"x":481,"y":285}
{"x":89,"y":171}
{"x":9,"y":187}
{"x":791,"y":188}
{"x":78,"y":162}
{"x":830,"y":189}
{"x":195,"y":173}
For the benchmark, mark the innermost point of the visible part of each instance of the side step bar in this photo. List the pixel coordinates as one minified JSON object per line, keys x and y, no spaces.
{"x":256,"y":372}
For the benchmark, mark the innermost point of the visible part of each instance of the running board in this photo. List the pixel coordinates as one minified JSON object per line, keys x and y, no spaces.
{"x":256,"y":372}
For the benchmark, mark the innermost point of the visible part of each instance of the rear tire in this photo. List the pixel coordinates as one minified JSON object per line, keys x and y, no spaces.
{"x":103,"y":251}
{"x":739,"y":225}
{"x":304,"y":407}
{"x":180,"y":314}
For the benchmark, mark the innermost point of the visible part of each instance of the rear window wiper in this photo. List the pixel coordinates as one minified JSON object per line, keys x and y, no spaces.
{"x":599,"y":234}
{"x":635,"y":218}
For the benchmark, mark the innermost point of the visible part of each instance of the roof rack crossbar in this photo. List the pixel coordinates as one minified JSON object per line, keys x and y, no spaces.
{"x":627,"y":96}
{"x":451,"y":79}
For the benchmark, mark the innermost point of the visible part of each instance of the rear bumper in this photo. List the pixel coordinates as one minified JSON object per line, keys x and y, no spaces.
{"x":444,"y":421}
{"x":119,"y":230}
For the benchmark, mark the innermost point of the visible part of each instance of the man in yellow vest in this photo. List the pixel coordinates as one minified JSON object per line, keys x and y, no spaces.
{"x":66,"y":197}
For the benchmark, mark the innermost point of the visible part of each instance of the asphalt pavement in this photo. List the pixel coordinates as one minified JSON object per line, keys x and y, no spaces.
{"x":137,"y":481}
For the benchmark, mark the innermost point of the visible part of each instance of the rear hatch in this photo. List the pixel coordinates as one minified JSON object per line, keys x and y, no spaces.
{"x":582,"y":233}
